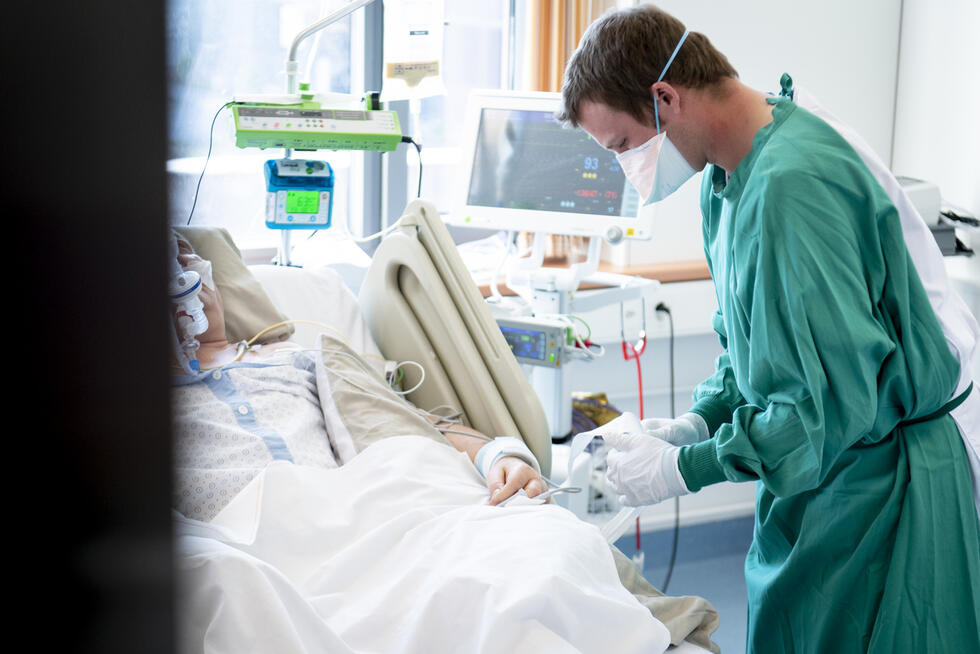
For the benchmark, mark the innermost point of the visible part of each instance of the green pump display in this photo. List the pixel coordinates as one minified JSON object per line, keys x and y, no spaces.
{"x":299,"y":194}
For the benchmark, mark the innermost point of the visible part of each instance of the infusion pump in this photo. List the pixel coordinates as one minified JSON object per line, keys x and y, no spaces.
{"x":300,"y":194}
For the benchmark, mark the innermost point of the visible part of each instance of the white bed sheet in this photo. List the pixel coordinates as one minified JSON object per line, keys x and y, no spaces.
{"x":398,"y":551}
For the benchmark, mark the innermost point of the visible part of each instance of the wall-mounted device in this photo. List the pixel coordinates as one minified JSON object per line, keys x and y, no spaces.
{"x":300,"y":194}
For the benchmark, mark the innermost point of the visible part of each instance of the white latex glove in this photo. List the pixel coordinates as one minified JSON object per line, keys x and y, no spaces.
{"x":624,"y":423}
{"x":689,"y":428}
{"x":642,"y":469}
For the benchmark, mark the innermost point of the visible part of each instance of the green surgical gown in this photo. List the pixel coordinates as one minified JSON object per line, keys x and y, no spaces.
{"x":866,"y":537}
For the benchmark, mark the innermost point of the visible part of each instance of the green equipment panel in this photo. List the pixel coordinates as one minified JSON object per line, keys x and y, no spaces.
{"x":296,"y":128}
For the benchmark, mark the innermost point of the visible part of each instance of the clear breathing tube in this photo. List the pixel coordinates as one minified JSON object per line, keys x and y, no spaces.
{"x":191,"y":321}
{"x":185,"y":285}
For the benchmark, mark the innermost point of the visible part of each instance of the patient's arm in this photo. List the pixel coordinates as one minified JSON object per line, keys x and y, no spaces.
{"x":507,"y":476}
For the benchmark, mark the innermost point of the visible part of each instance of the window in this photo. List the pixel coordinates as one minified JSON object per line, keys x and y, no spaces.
{"x":217,"y":50}
{"x":474,"y":57}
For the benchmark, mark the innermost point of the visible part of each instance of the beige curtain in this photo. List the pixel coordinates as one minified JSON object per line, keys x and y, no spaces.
{"x":554,"y":28}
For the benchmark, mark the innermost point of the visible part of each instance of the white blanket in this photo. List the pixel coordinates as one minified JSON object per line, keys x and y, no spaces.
{"x":398,"y":551}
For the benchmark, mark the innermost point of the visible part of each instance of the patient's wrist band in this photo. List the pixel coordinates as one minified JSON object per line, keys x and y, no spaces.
{"x":500,"y":447}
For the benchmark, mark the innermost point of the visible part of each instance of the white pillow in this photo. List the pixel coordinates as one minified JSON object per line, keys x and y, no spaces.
{"x":318,"y":295}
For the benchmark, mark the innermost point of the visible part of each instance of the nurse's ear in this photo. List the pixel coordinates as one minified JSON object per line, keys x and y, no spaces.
{"x":668,"y":99}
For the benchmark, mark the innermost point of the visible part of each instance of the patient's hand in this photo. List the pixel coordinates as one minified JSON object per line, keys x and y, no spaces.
{"x":509,"y":475}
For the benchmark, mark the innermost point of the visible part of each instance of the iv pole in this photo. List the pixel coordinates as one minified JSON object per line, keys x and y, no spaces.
{"x":292,"y":67}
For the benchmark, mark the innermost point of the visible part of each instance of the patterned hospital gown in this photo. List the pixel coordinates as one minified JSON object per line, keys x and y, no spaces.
{"x":231,"y":423}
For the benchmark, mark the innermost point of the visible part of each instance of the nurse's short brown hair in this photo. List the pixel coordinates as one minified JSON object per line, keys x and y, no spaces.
{"x":621,"y":56}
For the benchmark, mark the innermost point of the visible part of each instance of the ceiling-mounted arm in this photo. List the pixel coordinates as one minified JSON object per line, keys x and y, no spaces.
{"x":292,"y":65}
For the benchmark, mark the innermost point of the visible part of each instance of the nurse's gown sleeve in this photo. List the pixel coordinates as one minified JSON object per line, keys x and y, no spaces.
{"x":717,"y":397}
{"x":808,"y":334}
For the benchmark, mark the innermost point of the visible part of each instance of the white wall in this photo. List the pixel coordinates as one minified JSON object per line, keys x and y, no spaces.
{"x":937,"y":137}
{"x":936,"y":118}
{"x":844,"y":52}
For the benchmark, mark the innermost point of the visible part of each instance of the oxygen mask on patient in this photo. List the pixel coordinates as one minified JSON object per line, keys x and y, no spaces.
{"x":184,"y":288}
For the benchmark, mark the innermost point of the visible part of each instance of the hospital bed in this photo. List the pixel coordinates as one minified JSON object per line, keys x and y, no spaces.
{"x":286,"y":566}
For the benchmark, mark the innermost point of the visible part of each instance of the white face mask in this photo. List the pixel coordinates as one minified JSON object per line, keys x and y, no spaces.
{"x":656,"y":168}
{"x":203,"y":268}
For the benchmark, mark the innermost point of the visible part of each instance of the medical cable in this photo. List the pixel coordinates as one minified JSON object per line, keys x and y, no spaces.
{"x":421,"y":378}
{"x":283,"y":323}
{"x":587,"y":327}
{"x":245,"y":346}
{"x":663,"y":308}
{"x":392,"y":227}
{"x":455,"y":417}
{"x":206,"y":159}
{"x":584,"y":348}
{"x":543,"y":497}
{"x":418,"y":150}
{"x":366,"y":239}
{"x":357,"y":357}
{"x":585,"y":344}
{"x":631,"y":351}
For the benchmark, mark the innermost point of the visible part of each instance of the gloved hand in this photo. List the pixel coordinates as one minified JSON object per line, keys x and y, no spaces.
{"x":624,"y":423}
{"x":689,"y":428}
{"x":642,"y":469}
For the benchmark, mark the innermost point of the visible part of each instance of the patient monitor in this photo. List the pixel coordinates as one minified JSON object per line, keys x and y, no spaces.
{"x":524,"y":172}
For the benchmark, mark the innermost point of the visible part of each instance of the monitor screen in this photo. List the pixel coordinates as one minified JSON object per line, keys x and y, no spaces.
{"x":525,"y":343}
{"x":302,"y":201}
{"x":524,"y":171}
{"x":525,"y":160}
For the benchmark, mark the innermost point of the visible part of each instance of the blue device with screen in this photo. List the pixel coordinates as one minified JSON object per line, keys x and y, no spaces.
{"x":300,"y":194}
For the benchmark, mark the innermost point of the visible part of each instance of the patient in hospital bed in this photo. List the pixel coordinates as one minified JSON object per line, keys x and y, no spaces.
{"x":317,"y":510}
{"x":260,"y":404}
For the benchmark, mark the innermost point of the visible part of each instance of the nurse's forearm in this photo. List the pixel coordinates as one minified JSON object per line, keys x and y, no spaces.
{"x":699,"y":465}
{"x":717,"y":397}
{"x":715,"y":412}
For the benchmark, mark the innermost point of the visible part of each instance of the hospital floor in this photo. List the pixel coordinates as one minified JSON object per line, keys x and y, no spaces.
{"x":709,"y":564}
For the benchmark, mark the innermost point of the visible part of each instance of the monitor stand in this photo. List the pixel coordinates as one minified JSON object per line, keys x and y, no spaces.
{"x":552,"y":291}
